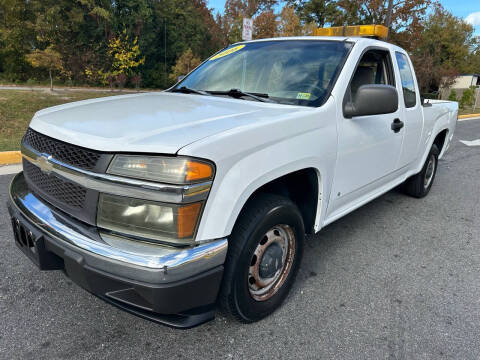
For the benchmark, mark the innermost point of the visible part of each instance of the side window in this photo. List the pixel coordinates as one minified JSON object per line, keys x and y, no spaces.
{"x":408,"y":83}
{"x":375,"y":67}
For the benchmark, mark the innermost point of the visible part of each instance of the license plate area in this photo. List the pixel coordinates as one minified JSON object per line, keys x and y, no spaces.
{"x":32,"y":243}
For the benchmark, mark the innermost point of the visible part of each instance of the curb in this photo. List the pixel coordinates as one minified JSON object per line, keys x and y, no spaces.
{"x":468,"y":116}
{"x":10,"y":157}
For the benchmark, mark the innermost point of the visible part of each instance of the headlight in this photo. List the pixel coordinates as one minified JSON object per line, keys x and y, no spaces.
{"x":171,"y":170}
{"x":149,"y":220}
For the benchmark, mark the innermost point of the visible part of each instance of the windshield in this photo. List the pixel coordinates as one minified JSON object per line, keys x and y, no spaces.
{"x":297,"y":72}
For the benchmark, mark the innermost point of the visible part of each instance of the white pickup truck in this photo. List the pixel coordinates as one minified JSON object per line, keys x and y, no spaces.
{"x":168,"y":203}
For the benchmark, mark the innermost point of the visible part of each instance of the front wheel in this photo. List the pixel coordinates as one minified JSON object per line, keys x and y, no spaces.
{"x":264,"y":253}
{"x":420,"y":184}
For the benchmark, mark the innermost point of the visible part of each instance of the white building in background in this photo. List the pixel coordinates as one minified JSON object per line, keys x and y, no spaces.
{"x":465,"y":81}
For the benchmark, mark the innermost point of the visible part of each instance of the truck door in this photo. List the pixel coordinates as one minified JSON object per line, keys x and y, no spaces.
{"x":412,"y":112}
{"x":368,"y":148}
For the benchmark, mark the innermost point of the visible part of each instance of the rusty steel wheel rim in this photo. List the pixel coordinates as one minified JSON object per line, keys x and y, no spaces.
{"x":430,"y":171}
{"x":266,"y":273}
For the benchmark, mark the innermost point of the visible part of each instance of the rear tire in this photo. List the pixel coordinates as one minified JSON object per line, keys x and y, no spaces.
{"x":420,"y":184}
{"x":264,"y":254}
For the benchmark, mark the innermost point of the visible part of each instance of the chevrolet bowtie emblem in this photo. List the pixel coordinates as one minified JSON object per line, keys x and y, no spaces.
{"x":44,"y":164}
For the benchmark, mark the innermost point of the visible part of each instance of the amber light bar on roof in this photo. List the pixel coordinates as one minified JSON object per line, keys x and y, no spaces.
{"x":377,"y":31}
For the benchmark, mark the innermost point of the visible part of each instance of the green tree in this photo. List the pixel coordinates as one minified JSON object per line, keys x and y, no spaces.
{"x":79,"y":30}
{"x":16,"y":38}
{"x":472,"y":62}
{"x":125,"y":54}
{"x":442,"y":49}
{"x":48,"y":59}
{"x":124,"y":58}
{"x":176,"y":26}
{"x":322,"y":12}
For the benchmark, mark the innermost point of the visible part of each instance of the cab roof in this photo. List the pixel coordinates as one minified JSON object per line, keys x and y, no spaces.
{"x":365,"y":41}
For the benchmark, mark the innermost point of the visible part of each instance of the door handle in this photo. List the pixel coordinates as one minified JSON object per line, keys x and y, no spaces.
{"x":397,"y":124}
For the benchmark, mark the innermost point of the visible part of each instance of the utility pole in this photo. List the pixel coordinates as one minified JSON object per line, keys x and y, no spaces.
{"x":165,"y":42}
{"x":476,"y":93}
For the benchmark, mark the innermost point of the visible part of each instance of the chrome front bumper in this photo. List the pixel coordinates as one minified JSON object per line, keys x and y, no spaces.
{"x":120,"y":256}
{"x":173,"y":286}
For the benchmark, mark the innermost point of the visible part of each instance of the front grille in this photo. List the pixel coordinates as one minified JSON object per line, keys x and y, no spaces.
{"x":67,"y":153}
{"x":65,"y":192}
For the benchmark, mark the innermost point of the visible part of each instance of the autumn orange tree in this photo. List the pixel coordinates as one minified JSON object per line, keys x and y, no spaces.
{"x":289,"y":24}
{"x":265,"y":25}
{"x":236,"y":10}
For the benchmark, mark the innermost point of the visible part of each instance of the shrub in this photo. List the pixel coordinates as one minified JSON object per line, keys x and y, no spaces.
{"x":453,"y":95}
{"x":468,"y":98}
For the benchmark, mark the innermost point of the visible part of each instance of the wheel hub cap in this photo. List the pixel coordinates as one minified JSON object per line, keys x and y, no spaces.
{"x":271,"y":262}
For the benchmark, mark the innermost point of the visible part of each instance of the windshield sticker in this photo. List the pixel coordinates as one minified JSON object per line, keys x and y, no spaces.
{"x":303,"y":96}
{"x":227,"y":52}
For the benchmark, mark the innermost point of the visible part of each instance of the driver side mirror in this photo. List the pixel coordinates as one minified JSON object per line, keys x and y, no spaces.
{"x":371,"y":99}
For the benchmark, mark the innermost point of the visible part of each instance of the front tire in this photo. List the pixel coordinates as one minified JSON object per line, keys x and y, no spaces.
{"x":420,"y":184}
{"x":264,"y":254}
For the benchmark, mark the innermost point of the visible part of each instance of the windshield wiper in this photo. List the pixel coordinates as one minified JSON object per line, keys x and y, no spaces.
{"x":237,"y":93}
{"x":187,"y":90}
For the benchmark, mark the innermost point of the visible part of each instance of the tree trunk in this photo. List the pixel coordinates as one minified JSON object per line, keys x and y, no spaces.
{"x":51,"y":79}
{"x":388,"y":20}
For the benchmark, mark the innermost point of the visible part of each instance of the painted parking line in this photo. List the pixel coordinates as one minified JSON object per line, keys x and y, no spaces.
{"x":471,"y":143}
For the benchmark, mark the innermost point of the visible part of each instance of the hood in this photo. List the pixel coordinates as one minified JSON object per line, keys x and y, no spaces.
{"x":159,"y":122}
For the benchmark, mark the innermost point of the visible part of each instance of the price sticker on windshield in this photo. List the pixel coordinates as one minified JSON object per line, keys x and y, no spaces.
{"x":303,"y":96}
{"x":227,"y":52}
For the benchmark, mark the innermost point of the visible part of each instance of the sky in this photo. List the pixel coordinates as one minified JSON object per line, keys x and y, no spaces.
{"x":466,"y":9}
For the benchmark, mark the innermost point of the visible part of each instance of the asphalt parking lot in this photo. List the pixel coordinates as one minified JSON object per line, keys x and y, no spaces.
{"x":396,"y":279}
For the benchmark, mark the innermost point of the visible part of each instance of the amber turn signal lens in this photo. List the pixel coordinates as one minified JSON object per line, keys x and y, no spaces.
{"x":198,"y":171}
{"x":187,"y":220}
